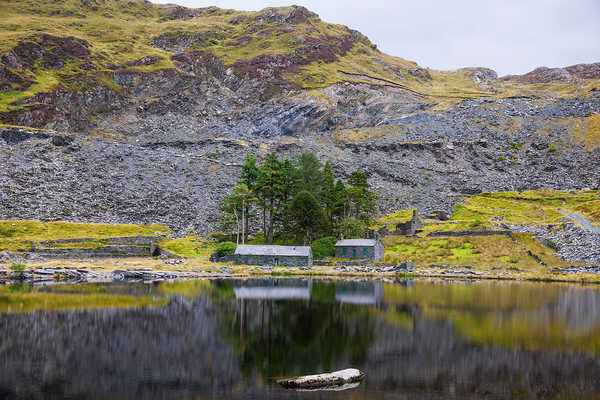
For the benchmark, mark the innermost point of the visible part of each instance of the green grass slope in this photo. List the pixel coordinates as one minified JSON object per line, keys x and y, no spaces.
{"x":76,"y":44}
{"x":484,"y":212}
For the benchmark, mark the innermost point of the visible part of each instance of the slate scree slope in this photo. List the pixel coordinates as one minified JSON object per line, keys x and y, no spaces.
{"x":133,"y":112}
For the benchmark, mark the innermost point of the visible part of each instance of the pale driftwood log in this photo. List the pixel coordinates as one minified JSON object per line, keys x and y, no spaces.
{"x":342,"y":377}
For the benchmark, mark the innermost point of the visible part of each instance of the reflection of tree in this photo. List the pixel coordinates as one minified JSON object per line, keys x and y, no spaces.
{"x":283,"y":338}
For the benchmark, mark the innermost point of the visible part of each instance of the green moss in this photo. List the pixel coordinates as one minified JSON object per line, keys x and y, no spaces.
{"x":191,"y":246}
{"x":17,"y":235}
{"x":481,"y":213}
{"x":94,"y":244}
{"x":44,"y":82}
{"x":531,"y":207}
{"x":396,"y":217}
{"x":515,"y":146}
{"x":464,"y":251}
{"x":482,"y":252}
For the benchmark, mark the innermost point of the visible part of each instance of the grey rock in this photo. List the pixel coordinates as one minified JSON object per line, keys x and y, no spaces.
{"x":10,"y":257}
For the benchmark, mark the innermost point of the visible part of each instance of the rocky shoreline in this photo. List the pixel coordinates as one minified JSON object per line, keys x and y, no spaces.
{"x":78,"y":274}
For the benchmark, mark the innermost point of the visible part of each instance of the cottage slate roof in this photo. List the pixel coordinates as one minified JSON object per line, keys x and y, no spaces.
{"x":356,"y":242}
{"x":272,"y":250}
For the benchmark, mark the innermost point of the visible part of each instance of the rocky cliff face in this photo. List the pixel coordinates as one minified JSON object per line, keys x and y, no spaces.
{"x":566,"y":74}
{"x":154,"y":108}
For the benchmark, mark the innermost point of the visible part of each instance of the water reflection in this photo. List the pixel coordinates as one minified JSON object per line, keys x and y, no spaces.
{"x":228,"y":339}
{"x":275,"y":336}
{"x":365,"y":293}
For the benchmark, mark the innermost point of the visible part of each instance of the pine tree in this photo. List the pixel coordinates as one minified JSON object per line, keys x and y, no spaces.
{"x":231,"y":214}
{"x":341,"y":201}
{"x":328,"y":193}
{"x":361,"y":201}
{"x":250,"y":172}
{"x":288,"y":176}
{"x":269,"y":189}
{"x":308,"y":174}
{"x":310,"y":220}
{"x":249,"y":178}
{"x":244,"y":197}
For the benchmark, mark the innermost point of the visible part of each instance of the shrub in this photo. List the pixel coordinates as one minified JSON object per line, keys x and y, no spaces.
{"x":324,"y":247}
{"x":551,"y":148}
{"x":225,"y":249}
{"x":515,"y":145}
{"x":6,"y":231}
{"x":501,"y":158}
{"x":18,"y":269}
{"x":475,"y":224}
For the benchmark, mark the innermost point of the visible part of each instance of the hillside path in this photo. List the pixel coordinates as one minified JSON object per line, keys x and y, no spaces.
{"x":587,"y":225}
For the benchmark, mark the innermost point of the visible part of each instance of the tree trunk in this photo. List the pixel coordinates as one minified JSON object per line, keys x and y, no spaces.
{"x":246,"y":226}
{"x":264,"y":211}
{"x":337,"y":378}
{"x":243,"y":222}
{"x":270,"y":227}
{"x":237,"y":226}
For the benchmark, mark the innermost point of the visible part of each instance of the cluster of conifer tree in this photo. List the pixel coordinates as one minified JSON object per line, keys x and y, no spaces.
{"x":296,"y":200}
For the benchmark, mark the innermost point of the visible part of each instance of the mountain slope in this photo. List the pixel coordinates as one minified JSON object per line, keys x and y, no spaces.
{"x":98,"y":49}
{"x":156,"y":107}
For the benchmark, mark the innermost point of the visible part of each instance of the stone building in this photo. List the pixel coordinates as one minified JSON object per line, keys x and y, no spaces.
{"x":409,"y":228}
{"x":289,"y":256}
{"x":368,"y":249}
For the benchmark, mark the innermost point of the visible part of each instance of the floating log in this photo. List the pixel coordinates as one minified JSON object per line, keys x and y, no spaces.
{"x":337,"y":378}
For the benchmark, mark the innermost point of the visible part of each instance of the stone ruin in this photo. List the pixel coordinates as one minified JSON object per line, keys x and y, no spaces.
{"x":408,"y":228}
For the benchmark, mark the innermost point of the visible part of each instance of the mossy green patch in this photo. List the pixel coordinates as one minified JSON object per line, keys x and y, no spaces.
{"x":396,"y":217}
{"x":190,"y":246}
{"x":18,"y":234}
{"x":482,"y":212}
{"x":482,"y":252}
{"x":464,"y":251}
{"x":526,"y":208}
{"x":44,"y":82}
{"x":94,"y":244}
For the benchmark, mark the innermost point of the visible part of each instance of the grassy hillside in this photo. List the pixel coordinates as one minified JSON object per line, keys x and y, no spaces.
{"x":18,"y":235}
{"x":88,"y":39}
{"x":485,"y":212}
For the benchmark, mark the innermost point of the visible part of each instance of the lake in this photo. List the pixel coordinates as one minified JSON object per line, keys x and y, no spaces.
{"x":230,"y":339}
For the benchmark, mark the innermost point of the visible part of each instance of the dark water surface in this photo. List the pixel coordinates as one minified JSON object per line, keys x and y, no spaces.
{"x":414,"y":339}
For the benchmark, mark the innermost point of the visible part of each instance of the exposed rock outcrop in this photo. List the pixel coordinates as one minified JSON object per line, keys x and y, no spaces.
{"x":566,"y":74}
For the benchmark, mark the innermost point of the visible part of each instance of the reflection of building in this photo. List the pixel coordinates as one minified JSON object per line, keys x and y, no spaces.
{"x":368,"y":249}
{"x":366,"y":293}
{"x":290,"y":256}
{"x":276,"y":290}
{"x":359,"y":293}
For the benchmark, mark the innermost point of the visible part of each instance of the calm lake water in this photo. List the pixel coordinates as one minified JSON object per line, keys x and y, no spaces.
{"x":414,"y":339}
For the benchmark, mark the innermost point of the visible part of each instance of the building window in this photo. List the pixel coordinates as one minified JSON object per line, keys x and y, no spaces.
{"x":365,"y":251}
{"x":343,"y":250}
